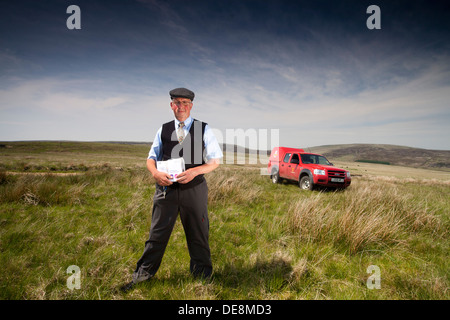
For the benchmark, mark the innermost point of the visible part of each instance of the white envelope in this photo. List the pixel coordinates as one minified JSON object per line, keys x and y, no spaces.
{"x":173,"y":167}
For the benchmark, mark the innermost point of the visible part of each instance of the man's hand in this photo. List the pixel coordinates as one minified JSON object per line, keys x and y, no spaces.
{"x":162,"y":179}
{"x":187,"y":176}
{"x":190,"y":174}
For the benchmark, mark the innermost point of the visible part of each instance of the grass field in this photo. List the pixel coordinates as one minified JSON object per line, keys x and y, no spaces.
{"x":89,"y":205}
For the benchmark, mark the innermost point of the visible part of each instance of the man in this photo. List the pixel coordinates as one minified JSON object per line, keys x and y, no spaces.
{"x":195,"y":142}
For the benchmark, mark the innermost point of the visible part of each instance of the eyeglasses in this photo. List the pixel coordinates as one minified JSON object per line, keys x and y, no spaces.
{"x":182,"y":103}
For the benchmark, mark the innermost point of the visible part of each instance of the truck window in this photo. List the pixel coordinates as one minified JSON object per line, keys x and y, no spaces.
{"x":286,"y":157}
{"x":315,"y":159}
{"x":306,"y":158}
{"x":295,"y":159}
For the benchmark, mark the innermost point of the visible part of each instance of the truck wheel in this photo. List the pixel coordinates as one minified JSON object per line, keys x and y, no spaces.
{"x":275,"y":177}
{"x":305,"y":183}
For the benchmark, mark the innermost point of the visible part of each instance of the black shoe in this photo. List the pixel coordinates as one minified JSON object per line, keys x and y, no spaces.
{"x":127,"y":287}
{"x":203,"y":278}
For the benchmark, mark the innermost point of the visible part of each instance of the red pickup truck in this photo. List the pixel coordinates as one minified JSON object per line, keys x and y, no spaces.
{"x":308,"y":169}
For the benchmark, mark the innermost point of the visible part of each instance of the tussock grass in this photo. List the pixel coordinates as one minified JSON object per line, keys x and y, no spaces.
{"x":417,"y":181}
{"x":230,"y":186}
{"x":41,"y":190}
{"x":363,"y":217}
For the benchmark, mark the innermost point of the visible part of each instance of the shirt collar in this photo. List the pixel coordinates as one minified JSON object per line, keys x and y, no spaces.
{"x":187,"y":122}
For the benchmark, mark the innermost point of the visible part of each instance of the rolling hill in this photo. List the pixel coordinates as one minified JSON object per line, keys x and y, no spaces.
{"x":394,"y":155}
{"x":381,"y":153}
{"x":376,"y":153}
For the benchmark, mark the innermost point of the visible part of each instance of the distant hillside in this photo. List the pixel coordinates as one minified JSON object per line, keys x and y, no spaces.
{"x":395,"y":155}
{"x":376,"y":153}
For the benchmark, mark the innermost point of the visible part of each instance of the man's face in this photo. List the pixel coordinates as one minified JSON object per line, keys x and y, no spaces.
{"x":181,"y":108}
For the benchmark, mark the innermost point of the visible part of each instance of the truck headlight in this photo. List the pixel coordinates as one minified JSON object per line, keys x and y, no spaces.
{"x":348,"y":174}
{"x":319,"y":172}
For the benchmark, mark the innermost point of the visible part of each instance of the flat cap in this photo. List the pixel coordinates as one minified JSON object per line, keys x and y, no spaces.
{"x":182,"y":93}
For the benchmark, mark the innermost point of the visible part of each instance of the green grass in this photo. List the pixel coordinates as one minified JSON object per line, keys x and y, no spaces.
{"x":267,"y":241}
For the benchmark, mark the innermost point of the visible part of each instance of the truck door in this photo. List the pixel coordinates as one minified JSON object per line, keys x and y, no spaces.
{"x":284,"y":166}
{"x":294,"y":167}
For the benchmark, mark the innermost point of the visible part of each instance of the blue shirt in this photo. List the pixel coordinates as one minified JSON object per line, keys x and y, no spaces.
{"x":212,"y":148}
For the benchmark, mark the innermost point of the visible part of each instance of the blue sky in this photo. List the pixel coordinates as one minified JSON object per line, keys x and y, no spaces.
{"x":311,"y":69}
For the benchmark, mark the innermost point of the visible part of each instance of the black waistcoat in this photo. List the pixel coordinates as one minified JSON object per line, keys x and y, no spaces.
{"x":191,"y":149}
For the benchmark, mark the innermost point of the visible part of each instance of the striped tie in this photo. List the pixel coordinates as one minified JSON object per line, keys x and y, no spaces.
{"x":180,"y":132}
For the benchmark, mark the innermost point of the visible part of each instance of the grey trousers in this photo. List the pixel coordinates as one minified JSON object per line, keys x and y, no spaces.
{"x":192,"y":205}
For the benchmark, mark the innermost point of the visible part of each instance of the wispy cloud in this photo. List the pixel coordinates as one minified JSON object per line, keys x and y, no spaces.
{"x":333,"y":111}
